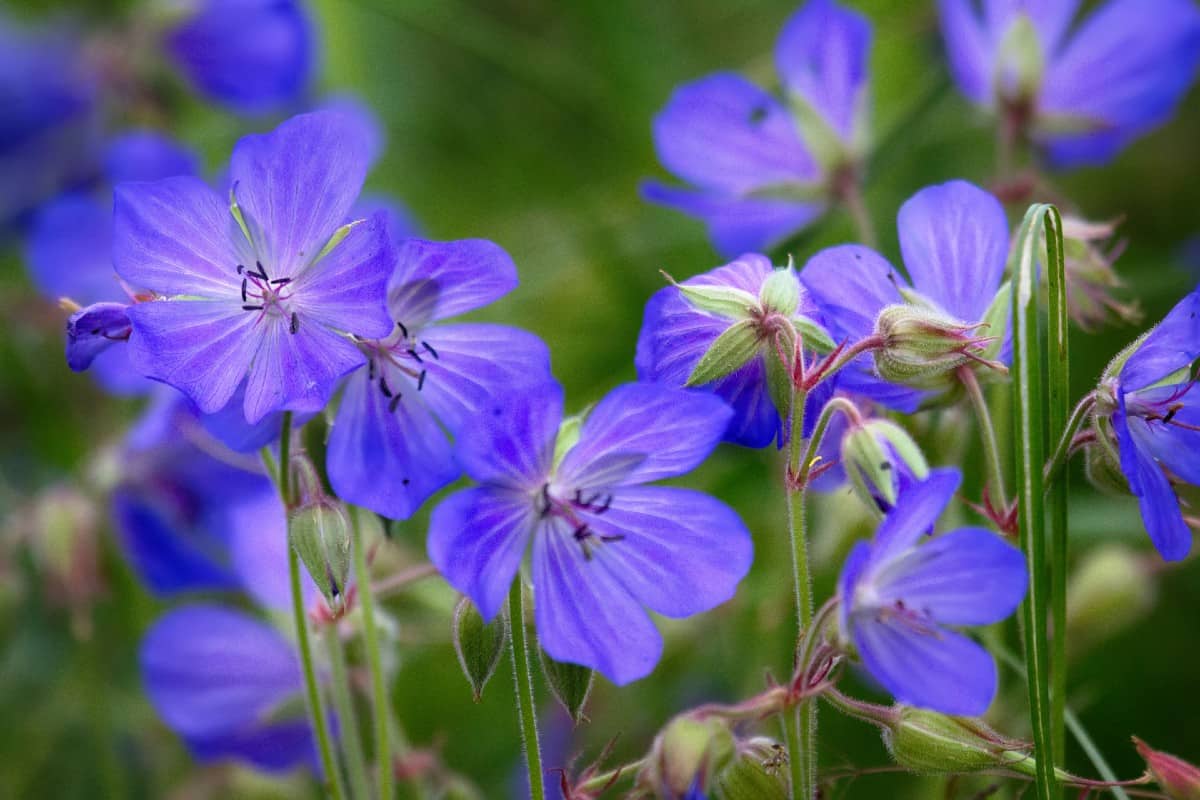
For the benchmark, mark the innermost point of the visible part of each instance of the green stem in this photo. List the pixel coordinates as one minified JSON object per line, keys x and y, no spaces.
{"x":835,"y":405}
{"x":379,"y":692}
{"x":1063,"y":451}
{"x":523,"y":676}
{"x":802,"y":722}
{"x":356,"y":762}
{"x":987,"y":432}
{"x":316,"y":710}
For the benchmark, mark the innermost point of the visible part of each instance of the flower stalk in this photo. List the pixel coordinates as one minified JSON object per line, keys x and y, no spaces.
{"x":383,"y":747}
{"x":526,"y":704}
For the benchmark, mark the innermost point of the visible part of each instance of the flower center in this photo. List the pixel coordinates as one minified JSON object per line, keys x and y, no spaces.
{"x":264,"y":295}
{"x":404,"y":352}
{"x":553,"y":501}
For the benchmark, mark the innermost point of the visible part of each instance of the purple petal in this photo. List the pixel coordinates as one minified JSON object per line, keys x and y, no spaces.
{"x":436,"y":280}
{"x":511,"y":442}
{"x":272,"y":748}
{"x":1050,"y":18}
{"x":1175,"y":444}
{"x":584,"y":614}
{"x":682,"y":552}
{"x":177,"y":237}
{"x":295,"y":371}
{"x":914,"y":515}
{"x":251,"y":55}
{"x":1156,"y":499}
{"x":388,"y":458}
{"x":372,"y":131}
{"x":968,"y":577}
{"x":735,"y":223}
{"x":724,"y":133}
{"x":401,"y":224}
{"x":210,"y":670}
{"x":954,"y":237}
{"x":857,"y":561}
{"x":347,"y":289}
{"x":115,"y":373}
{"x":68,"y":250}
{"x":1126,"y":68}
{"x":969,"y":49}
{"x":146,"y":155}
{"x":475,"y":363}
{"x":203,"y":348}
{"x":929,"y":668}
{"x":92,"y":330}
{"x":476,"y":540}
{"x":670,"y":430}
{"x":822,"y":57}
{"x":258,"y":551}
{"x":296,"y":185}
{"x":1170,"y":346}
{"x":229,"y":426}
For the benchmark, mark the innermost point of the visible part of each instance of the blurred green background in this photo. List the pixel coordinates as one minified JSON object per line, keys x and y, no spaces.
{"x":528,"y":122}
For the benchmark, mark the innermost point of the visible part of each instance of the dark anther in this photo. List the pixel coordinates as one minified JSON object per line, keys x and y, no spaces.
{"x":432,"y":352}
{"x":370,"y":369}
{"x":241,"y":268}
{"x":885,"y":466}
{"x":252,"y":308}
{"x":415,"y":355}
{"x":582,"y":532}
{"x":262,"y":273}
{"x":383,"y":387}
{"x":281,"y":281}
{"x":395,"y":401}
{"x":546,"y":502}
{"x":1171,"y":412}
{"x":578,"y":499}
{"x":421,"y":381}
{"x":294,"y":325}
{"x":403,"y":330}
{"x":613,"y":537}
{"x":600,"y":509}
{"x":244,"y":282}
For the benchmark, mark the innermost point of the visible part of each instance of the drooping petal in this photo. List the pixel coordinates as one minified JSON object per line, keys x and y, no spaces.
{"x":476,"y":540}
{"x":968,"y":48}
{"x":436,"y":280}
{"x":1170,"y":346}
{"x":203,"y":348}
{"x":387,"y":456}
{"x":822,"y":57}
{"x":295,"y":371}
{"x":251,"y":55}
{"x":511,"y":442}
{"x":931,"y":668}
{"x":296,"y":186}
{"x":584,"y":614}
{"x":210,"y":670}
{"x":68,"y":250}
{"x":737,"y":223}
{"x":475,"y":363}
{"x":681,"y":552}
{"x":1160,"y":508}
{"x":954,"y":237}
{"x":671,"y":430}
{"x":914,"y":515}
{"x":147,"y":155}
{"x":277,"y":747}
{"x":723,"y":132}
{"x":967,"y":577}
{"x":115,"y":373}
{"x":347,"y":289}
{"x":177,"y":237}
{"x":1125,"y":69}
{"x":92,"y":330}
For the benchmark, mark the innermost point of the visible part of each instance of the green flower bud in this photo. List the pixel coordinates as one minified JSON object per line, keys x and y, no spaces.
{"x":479,"y":645}
{"x":1179,"y":779}
{"x":686,"y":753}
{"x":1091,"y":280}
{"x":931,"y":743}
{"x":873,"y":455}
{"x":922,"y":348}
{"x":780,"y":292}
{"x":319,"y":532}
{"x":1109,"y":591}
{"x":758,"y":772}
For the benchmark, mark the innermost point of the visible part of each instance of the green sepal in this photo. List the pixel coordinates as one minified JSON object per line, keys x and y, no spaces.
{"x":571,"y":684}
{"x":995,"y":320}
{"x":813,"y":334}
{"x":729,"y":353}
{"x":779,"y":378}
{"x":724,"y":301}
{"x":479,"y":645}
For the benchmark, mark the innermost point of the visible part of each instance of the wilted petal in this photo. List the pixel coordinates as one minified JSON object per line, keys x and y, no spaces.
{"x":1170,"y":346}
{"x":388,"y":458}
{"x":954,"y":237}
{"x":682,"y":551}
{"x":92,"y":330}
{"x":584,"y":614}
{"x":929,"y":667}
{"x":671,"y":430}
{"x":968,"y":577}
{"x":436,"y":280}
{"x":296,"y":185}
{"x":511,"y":443}
{"x":476,"y":540}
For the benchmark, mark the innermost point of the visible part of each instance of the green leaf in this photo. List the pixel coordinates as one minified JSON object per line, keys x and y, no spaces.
{"x":479,"y":645}
{"x":570,"y":683}
{"x":729,"y":353}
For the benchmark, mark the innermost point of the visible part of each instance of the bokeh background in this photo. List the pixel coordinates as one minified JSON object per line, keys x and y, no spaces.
{"x":528,"y":122}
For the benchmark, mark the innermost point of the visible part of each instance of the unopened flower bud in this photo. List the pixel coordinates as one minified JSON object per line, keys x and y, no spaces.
{"x":685,"y":754}
{"x":780,"y":292}
{"x":1091,"y":279}
{"x":1110,"y":590}
{"x":1101,"y":464}
{"x":874,"y":455}
{"x":757,"y":772}
{"x":932,"y":743}
{"x":319,"y":532}
{"x":922,"y":347}
{"x":1179,"y":779}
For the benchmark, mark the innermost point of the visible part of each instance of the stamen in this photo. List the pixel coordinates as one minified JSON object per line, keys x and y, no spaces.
{"x":403,"y":330}
{"x":262,"y":273}
{"x":294,"y":325}
{"x":395,"y":401}
{"x":281,"y":281}
{"x":415,"y":355}
{"x":546,"y":502}
{"x":244,"y":282}
{"x":432,"y":352}
{"x":421,"y":381}
{"x":252,"y":308}
{"x":241,"y":268}
{"x":383,"y":386}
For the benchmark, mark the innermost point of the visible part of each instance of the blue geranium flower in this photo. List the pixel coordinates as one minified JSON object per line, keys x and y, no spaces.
{"x":604,"y":545}
{"x":676,"y":334}
{"x":1083,"y":92}
{"x":954,"y":239}
{"x":899,"y":592}
{"x":267,"y":291}
{"x":224,"y":681}
{"x":389,"y":449}
{"x":1156,"y":422}
{"x":68,"y":250}
{"x":760,"y":168}
{"x":253,"y":56}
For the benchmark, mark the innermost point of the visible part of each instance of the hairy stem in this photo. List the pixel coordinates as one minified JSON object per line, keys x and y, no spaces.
{"x":987,"y":432}
{"x":523,"y":676}
{"x":379,"y":692}
{"x":802,"y":722}
{"x":352,"y":747}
